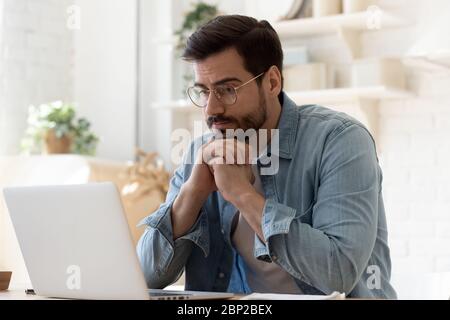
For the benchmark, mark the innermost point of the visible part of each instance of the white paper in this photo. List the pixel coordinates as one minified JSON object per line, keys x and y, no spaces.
{"x":276,"y":296}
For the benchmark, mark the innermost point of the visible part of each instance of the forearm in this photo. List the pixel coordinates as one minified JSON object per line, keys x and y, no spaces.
{"x":158,"y":271}
{"x":251,"y":206}
{"x":185,"y":209}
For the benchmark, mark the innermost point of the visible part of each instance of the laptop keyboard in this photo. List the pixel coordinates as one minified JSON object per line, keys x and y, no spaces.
{"x":162,"y":294}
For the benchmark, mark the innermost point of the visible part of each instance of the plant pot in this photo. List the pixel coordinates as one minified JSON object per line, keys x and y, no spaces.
{"x":55,"y":145}
{"x":5,"y":278}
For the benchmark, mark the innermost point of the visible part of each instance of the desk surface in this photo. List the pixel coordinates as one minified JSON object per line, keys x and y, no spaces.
{"x":17,"y":294}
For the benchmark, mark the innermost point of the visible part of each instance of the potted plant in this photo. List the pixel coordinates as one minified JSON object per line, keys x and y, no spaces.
{"x":53,"y":128}
{"x":5,"y":278}
{"x":200,"y":14}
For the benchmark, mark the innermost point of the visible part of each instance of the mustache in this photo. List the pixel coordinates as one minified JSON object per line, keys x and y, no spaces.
{"x":214,"y":119}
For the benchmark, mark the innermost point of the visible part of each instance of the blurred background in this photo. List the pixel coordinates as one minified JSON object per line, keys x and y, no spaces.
{"x":92,"y":90}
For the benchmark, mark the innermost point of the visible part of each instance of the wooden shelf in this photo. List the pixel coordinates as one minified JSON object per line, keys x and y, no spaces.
{"x":348,"y":94}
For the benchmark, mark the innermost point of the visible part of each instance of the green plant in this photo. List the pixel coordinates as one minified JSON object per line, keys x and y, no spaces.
{"x":200,"y":14}
{"x":61,"y":119}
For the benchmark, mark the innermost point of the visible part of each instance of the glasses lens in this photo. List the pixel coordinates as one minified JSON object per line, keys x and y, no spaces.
{"x":226,"y":94}
{"x":198,"y":96}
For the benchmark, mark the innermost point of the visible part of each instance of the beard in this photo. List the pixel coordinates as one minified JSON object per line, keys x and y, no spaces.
{"x":252,"y":120}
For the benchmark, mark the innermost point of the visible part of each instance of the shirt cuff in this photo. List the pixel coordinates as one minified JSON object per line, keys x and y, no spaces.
{"x":276,"y":219}
{"x":198,"y":234}
{"x":162,"y":221}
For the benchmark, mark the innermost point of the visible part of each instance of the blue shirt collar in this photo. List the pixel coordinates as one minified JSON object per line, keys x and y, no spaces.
{"x":287,"y":127}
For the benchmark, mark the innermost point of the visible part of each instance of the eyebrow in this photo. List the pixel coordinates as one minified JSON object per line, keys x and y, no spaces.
{"x":217,"y":83}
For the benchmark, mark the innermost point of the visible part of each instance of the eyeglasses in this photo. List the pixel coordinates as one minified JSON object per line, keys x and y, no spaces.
{"x":225,"y":93}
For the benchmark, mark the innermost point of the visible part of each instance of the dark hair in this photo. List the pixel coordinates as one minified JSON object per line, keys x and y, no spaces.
{"x":256,"y":42}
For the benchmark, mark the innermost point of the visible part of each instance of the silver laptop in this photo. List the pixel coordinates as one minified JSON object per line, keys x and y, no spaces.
{"x":76,"y":243}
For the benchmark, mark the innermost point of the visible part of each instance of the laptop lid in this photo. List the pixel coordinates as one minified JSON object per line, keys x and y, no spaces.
{"x":76,"y":242}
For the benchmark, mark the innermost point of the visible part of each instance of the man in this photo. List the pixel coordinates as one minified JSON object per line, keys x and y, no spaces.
{"x":314,"y":226}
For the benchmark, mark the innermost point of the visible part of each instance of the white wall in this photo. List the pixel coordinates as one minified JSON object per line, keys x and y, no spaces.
{"x":35,"y":56}
{"x":105,"y":73}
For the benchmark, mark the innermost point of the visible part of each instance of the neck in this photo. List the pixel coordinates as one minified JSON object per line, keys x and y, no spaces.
{"x":273,"y":118}
{"x":273,"y":115}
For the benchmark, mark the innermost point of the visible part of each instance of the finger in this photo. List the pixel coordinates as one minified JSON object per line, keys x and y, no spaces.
{"x":245,"y":153}
{"x":218,"y":148}
{"x":208,"y":151}
{"x":232,"y":150}
{"x":214,"y":162}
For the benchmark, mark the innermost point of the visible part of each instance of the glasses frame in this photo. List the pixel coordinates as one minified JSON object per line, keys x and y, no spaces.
{"x":216,"y":94}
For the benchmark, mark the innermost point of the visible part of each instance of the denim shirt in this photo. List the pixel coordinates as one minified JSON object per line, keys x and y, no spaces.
{"x":323,"y":220}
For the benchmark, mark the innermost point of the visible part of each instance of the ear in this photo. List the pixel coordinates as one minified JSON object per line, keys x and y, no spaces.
{"x":274,"y":79}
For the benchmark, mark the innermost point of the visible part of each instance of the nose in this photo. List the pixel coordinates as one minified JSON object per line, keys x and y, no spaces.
{"x":214,"y":106}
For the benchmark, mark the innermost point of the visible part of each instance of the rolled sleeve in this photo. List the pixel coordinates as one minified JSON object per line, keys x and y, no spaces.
{"x":276,"y":219}
{"x":159,"y":237}
{"x":162,"y":258}
{"x":162,"y":221}
{"x":198,"y":234}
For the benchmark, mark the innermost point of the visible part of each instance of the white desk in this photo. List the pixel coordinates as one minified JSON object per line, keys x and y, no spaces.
{"x":17,"y":294}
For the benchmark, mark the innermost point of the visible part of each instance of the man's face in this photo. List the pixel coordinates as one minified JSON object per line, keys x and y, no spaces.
{"x":227,"y":67}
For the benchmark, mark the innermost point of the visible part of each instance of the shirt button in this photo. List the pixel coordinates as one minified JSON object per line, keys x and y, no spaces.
{"x":223,"y":231}
{"x":221,"y":275}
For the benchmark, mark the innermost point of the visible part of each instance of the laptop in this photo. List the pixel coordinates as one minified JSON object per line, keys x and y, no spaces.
{"x":76,"y":244}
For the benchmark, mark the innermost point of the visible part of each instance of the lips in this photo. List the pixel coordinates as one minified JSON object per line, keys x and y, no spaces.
{"x":221,"y":124}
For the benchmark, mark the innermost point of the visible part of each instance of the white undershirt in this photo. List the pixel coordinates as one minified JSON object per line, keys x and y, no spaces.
{"x":261,"y":276}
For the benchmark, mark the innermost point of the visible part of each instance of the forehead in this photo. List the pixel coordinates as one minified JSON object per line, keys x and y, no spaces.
{"x":226,"y":64}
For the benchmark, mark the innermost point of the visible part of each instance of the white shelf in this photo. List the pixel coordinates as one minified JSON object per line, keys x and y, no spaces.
{"x":331,"y":24}
{"x":347,"y":26}
{"x":438,"y":62}
{"x":348,"y":94}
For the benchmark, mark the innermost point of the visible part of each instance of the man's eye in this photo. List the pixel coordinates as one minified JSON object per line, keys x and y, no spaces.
{"x":229,"y":90}
{"x":225,"y":90}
